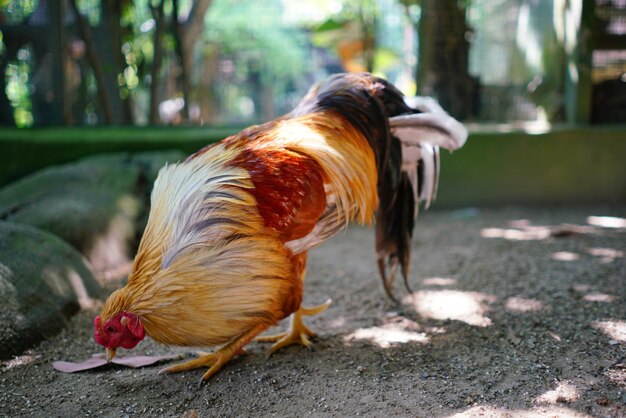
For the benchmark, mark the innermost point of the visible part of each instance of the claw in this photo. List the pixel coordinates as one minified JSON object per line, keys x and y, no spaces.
{"x":216,"y":360}
{"x":298,"y":333}
{"x":405,"y":278}
{"x":388,"y":280}
{"x":406,"y":272}
{"x":202,"y":361}
{"x":315,"y":310}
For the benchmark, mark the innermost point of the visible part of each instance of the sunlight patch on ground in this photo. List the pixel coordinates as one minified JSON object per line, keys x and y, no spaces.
{"x":616,"y":330}
{"x":397,"y":330}
{"x":537,"y":412}
{"x":523,"y":305}
{"x":111,"y":248}
{"x":536,"y":233}
{"x":599,"y":297}
{"x":468,"y":307}
{"x":18,"y":361}
{"x":117,"y":272}
{"x":617,"y":374}
{"x":582,"y":288}
{"x":565,"y":256}
{"x":522,"y":230}
{"x":591,"y":296}
{"x":607,"y":255}
{"x":564,"y":392}
{"x":386,"y":336}
{"x":438,"y":281}
{"x":55,"y":281}
{"x":80,"y":290}
{"x":607,"y":221}
{"x":519,"y":223}
{"x":337,"y":322}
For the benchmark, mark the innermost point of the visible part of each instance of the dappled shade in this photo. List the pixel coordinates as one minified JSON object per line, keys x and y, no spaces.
{"x":607,"y":255}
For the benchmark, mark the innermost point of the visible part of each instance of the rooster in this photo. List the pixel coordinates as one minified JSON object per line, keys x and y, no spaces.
{"x":223,"y":256}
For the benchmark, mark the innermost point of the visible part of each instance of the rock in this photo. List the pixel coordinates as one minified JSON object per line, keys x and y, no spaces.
{"x":43,"y":281}
{"x":99,"y":204}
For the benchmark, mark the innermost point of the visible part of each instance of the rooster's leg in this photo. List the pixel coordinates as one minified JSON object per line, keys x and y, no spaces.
{"x":298,"y":333}
{"x":216,"y":360}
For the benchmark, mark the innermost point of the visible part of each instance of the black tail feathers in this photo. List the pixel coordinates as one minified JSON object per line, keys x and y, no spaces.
{"x":407,"y":161}
{"x":365,"y":101}
{"x":395,"y":221}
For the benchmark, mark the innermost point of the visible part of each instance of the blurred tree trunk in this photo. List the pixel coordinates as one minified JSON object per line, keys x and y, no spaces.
{"x":66,"y":97}
{"x":158,"y":14}
{"x":6,"y":110}
{"x":443,"y":65}
{"x":13,"y":38}
{"x":206,"y":97}
{"x":47,"y":99}
{"x":184,"y":63}
{"x":94,"y":61}
{"x":268,"y":110}
{"x":191,"y":29}
{"x":188,"y":32}
{"x":579,"y":56}
{"x":368,"y":19}
{"x":112,"y":15}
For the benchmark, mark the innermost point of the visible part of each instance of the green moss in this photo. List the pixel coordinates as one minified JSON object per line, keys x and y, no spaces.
{"x":23,"y":151}
{"x":562,"y":166}
{"x":565,"y":165}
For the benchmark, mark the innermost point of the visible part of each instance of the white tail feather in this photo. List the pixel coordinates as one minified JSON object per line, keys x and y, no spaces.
{"x":429,"y":179}
{"x":436,"y":128}
{"x":421,"y":135}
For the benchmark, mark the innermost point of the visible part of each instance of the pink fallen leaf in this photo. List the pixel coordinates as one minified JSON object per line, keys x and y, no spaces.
{"x":99,"y":360}
{"x":69,"y":367}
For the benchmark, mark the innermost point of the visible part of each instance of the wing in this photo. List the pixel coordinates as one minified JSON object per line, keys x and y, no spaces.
{"x":288,"y":188}
{"x":327,"y":225}
{"x":193,"y":203}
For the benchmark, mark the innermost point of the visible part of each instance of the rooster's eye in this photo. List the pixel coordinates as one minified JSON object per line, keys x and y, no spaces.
{"x":112,"y":329}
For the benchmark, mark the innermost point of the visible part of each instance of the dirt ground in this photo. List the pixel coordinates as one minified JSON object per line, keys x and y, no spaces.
{"x":514,"y":314}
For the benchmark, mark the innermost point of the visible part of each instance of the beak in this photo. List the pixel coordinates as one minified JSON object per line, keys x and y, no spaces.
{"x":111,"y":354}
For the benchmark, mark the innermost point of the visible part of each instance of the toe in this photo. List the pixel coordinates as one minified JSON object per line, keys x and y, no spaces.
{"x":271,"y":338}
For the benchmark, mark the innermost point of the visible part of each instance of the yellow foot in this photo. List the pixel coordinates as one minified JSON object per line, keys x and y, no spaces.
{"x":212,"y":360}
{"x":298,"y":333}
{"x":216,"y":360}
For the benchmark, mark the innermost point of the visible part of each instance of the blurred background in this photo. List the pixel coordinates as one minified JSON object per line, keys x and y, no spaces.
{"x":225,"y":62}
{"x":541,"y":84}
